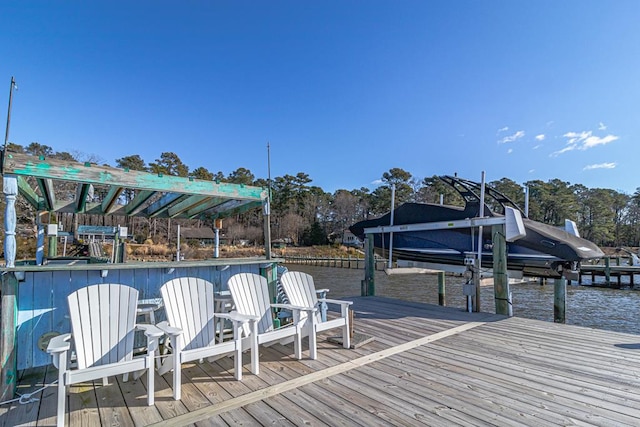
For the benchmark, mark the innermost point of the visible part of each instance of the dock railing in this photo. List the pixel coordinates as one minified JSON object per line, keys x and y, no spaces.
{"x":337,"y":262}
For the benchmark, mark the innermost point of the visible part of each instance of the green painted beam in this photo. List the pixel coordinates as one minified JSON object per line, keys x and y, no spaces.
{"x":46,"y":189}
{"x":81,"y":196}
{"x":186,"y":204}
{"x":111,"y":199}
{"x":25,"y":165}
{"x":181,"y":197}
{"x":28,"y":193}
{"x":157,"y":208}
{"x":237,"y":209}
{"x":134,"y":206}
{"x":197,"y":210}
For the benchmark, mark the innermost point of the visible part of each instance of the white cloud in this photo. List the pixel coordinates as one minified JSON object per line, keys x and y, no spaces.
{"x":592,"y":141}
{"x":532,"y":170}
{"x":583,"y":141}
{"x":609,"y":165}
{"x":535,"y":147}
{"x":510,"y":150}
{"x":512,"y":138}
{"x":504,"y":129}
{"x":377,"y":182}
{"x":540,"y":137}
{"x":602,"y":126}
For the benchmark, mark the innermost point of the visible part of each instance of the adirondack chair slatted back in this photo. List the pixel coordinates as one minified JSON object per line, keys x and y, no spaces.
{"x":250,"y":293}
{"x":103,"y":319}
{"x":189,"y":304}
{"x":300,"y":290}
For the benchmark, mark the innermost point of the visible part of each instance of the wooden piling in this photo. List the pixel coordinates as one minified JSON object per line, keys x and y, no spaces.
{"x":500,"y":278}
{"x":442,"y":297}
{"x":368,"y":284}
{"x":559,"y":300}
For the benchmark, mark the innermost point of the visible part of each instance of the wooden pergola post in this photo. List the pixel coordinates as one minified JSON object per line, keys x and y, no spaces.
{"x":9,"y":300}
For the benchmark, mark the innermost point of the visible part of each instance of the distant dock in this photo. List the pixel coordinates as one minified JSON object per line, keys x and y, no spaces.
{"x":337,"y":262}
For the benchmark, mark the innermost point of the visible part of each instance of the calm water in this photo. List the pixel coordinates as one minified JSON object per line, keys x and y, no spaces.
{"x":601,"y":308}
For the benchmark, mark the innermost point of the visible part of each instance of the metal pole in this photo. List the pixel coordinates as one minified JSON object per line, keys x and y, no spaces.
{"x":526,"y":201}
{"x":6,"y":133}
{"x":479,"y":275}
{"x":216,"y":253}
{"x":393,"y":202}
{"x":267,"y":208}
{"x":178,"y":244}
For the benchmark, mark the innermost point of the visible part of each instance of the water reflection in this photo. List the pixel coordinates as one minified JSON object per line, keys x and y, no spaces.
{"x":601,"y":308}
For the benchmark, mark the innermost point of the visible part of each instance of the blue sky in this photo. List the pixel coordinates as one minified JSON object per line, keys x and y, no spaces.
{"x":341,"y":90}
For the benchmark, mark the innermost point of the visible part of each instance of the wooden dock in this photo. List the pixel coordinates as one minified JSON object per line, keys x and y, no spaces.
{"x":427,"y":365}
{"x":335,"y":262}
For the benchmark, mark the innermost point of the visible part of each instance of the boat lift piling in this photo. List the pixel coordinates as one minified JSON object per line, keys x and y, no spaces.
{"x":442,"y":297}
{"x":559,"y":300}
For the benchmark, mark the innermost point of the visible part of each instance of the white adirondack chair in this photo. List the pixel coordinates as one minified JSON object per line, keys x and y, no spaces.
{"x":301,"y":291}
{"x":103,"y":323}
{"x":191,"y":327}
{"x":250,"y":294}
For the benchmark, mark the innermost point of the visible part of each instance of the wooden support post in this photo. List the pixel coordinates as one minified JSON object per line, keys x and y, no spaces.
{"x":442,"y":297}
{"x":53,"y":247}
{"x":368,"y":287}
{"x":559,"y":300}
{"x":9,"y":294}
{"x":607,"y":271}
{"x":266,"y":211}
{"x":39,"y":239}
{"x":8,"y":317}
{"x":502,"y":294}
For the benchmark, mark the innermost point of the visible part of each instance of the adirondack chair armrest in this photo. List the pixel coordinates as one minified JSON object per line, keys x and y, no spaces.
{"x":294,"y":307}
{"x":59,"y":344}
{"x":335,"y":301}
{"x":237,"y":317}
{"x":151,"y":331}
{"x":321,"y":291}
{"x":169,"y":330}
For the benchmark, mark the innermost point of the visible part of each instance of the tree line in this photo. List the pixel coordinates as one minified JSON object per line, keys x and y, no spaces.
{"x":306,"y":214}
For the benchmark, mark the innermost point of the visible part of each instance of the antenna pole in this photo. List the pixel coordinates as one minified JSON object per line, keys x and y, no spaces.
{"x":6,"y":133}
{"x":267,"y":208}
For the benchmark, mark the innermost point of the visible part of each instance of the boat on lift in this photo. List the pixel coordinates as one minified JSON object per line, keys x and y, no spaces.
{"x":429,"y":235}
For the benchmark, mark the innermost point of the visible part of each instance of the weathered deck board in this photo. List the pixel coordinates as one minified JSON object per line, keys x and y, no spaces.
{"x":427,"y":365}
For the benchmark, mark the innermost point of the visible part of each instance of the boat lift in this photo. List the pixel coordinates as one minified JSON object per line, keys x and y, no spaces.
{"x":514,"y":230}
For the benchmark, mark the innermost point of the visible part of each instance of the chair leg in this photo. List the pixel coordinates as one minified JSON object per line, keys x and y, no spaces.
{"x":346,"y":336}
{"x":151,"y":388}
{"x":62,"y":390}
{"x":255,"y":354}
{"x":313,"y":340}
{"x":237,"y":359}
{"x":177,"y":370}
